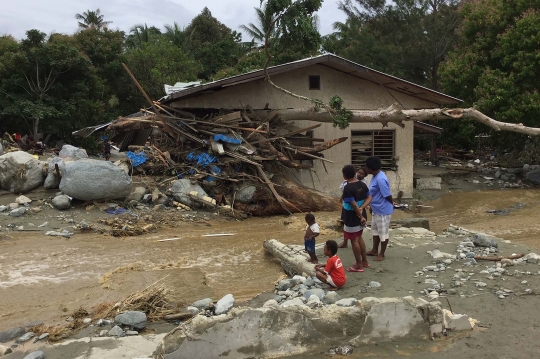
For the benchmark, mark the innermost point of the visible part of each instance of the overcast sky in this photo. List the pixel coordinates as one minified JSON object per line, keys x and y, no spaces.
{"x":17,"y":17}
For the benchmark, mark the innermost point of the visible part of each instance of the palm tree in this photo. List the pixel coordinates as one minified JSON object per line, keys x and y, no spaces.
{"x":91,"y":19}
{"x":179,"y":37}
{"x":264,"y":20}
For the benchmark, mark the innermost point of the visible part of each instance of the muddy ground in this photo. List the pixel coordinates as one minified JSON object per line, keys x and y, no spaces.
{"x":45,"y":278}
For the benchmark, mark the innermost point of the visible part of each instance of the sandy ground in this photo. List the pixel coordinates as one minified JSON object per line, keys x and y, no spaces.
{"x":45,"y":278}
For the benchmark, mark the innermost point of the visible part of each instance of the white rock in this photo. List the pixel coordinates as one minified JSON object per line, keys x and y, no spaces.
{"x":11,"y":165}
{"x":374,"y":284}
{"x":72,"y":152}
{"x":532,"y":258}
{"x":224,"y":304}
{"x":480,"y":284}
{"x":457,"y":322}
{"x":22,"y":200}
{"x":347,"y":302}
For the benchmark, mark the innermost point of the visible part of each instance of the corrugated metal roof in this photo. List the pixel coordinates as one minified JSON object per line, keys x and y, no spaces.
{"x":422,"y":127}
{"x":332,"y":61}
{"x":85,"y":132}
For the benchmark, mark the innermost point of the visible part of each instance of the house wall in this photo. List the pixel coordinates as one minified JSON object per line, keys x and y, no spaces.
{"x":400,"y":180}
{"x":356,"y":94}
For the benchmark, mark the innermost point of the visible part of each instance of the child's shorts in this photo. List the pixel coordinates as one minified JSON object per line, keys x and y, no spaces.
{"x":310,"y":245}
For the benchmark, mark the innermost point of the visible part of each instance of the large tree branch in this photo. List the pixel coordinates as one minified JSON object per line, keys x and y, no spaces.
{"x":396,"y":115}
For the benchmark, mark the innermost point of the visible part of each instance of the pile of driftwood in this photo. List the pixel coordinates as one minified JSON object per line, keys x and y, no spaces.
{"x":228,"y":152}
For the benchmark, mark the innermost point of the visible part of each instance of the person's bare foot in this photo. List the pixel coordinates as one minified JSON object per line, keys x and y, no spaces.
{"x":331,"y":288}
{"x":372,"y":254}
{"x":379,"y":258}
{"x":365,"y":264}
{"x":342,"y":245}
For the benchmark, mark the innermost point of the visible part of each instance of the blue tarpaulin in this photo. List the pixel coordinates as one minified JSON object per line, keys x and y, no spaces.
{"x":137,"y":158}
{"x":202,"y":159}
{"x":227,"y":139}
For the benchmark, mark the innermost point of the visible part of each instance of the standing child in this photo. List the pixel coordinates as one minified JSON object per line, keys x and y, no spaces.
{"x":312,"y":231}
{"x":361,"y":176}
{"x":333,"y":273}
{"x":106,"y":149}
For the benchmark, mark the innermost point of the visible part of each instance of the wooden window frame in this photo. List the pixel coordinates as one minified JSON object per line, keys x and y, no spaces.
{"x":379,"y":147}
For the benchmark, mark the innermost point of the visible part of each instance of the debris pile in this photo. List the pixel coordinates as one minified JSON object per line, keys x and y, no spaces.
{"x":246,"y":160}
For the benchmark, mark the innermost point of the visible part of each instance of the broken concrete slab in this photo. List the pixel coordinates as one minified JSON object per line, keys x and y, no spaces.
{"x":457,"y":322}
{"x":292,"y":260}
{"x":390,"y":318}
{"x":274,"y":331}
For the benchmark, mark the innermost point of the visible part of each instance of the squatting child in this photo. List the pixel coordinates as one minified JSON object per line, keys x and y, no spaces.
{"x":312,"y":231}
{"x":332,"y":273}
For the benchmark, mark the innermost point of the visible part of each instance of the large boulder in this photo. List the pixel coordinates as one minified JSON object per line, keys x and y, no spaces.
{"x":533,"y":177}
{"x":131,"y":319}
{"x":181,"y":189}
{"x":90,"y":180}
{"x":69,"y":151}
{"x":20,"y":172}
{"x":53,"y":180}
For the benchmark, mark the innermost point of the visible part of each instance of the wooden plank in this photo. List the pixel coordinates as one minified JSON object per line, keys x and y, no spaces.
{"x":233,"y":116}
{"x":273,"y":190}
{"x":308,"y":154}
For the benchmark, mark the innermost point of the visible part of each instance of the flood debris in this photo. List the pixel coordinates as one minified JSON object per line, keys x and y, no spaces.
{"x":220,"y":154}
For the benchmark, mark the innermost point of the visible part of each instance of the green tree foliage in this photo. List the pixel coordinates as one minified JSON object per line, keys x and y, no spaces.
{"x":257,"y":32}
{"x":158,"y":63}
{"x":92,"y":19}
{"x":496,"y":67}
{"x":214,"y":45}
{"x":406,"y":38}
{"x":142,"y":34}
{"x":105,"y":49}
{"x":178,"y":36}
{"x":48,"y":83}
{"x":298,"y":29}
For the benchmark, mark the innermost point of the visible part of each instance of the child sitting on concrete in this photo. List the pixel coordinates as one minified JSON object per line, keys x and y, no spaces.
{"x":333,"y":273}
{"x":312,"y":231}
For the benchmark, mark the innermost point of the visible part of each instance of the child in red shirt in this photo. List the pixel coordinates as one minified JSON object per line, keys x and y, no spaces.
{"x":332,"y":273}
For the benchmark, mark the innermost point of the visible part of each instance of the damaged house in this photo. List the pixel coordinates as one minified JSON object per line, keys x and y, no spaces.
{"x":322,"y":77}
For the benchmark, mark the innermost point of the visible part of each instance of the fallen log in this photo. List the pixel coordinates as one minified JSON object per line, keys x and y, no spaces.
{"x":304,"y":199}
{"x":397,"y":115}
{"x":498,"y":258}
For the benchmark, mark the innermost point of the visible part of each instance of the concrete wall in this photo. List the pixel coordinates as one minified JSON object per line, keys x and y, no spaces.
{"x":356,"y":94}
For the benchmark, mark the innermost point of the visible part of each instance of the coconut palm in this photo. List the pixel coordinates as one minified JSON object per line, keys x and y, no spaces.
{"x":91,"y":19}
{"x":264,"y":21}
{"x":176,"y":35}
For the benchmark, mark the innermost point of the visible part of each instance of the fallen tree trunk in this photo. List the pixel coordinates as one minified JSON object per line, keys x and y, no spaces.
{"x":397,"y":115}
{"x":299,"y":199}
